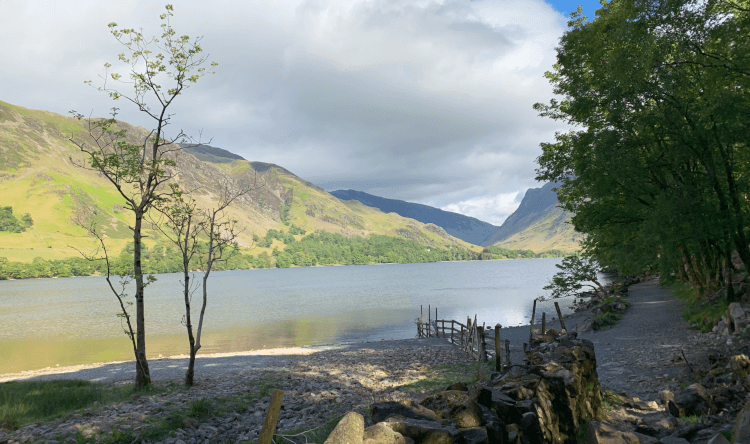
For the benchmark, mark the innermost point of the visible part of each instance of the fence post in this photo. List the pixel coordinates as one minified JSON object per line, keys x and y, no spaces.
{"x":482,"y":347}
{"x":462,"y":337}
{"x":272,"y":417}
{"x":429,"y":321}
{"x":498,"y":363}
{"x":467,"y":346}
{"x":544,"y":323}
{"x":533,"y":314}
{"x":559,"y":315}
{"x":507,"y":352}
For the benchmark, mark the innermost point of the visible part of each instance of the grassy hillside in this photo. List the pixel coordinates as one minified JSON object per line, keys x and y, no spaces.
{"x":550,"y":232}
{"x":39,"y":175}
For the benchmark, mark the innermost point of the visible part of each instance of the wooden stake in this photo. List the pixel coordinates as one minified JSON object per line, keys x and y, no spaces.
{"x":429,"y":321}
{"x":498,"y":363}
{"x":272,"y":418}
{"x":482,"y":347}
{"x":507,"y":352}
{"x":533,"y":314}
{"x":544,"y":323}
{"x":559,"y":315}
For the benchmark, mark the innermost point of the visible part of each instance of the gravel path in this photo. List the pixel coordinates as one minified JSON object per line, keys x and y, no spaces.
{"x":638,"y":355}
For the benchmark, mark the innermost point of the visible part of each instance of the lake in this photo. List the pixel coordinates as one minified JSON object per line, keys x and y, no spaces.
{"x":70,"y":321}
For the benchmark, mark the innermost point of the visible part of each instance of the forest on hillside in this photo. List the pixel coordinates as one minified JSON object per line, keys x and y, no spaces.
{"x":321,"y":248}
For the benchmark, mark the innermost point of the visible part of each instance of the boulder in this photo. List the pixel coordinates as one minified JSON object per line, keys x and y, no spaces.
{"x":455,"y":406}
{"x":475,"y":435}
{"x":423,"y":431}
{"x":693,"y":400}
{"x":718,"y":439}
{"x":741,"y":432}
{"x":383,"y":410}
{"x":349,"y":430}
{"x":665,"y":396}
{"x":382,"y":434}
{"x":657,"y":424}
{"x":494,"y":398}
{"x":603,"y":433}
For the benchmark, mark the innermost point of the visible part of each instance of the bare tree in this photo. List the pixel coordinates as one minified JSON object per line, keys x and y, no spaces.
{"x":186,"y":225}
{"x":138,"y":170}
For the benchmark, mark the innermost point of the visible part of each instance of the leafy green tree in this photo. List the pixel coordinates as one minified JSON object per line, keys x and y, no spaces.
{"x":655,"y":169}
{"x":160,"y":71}
{"x":576,"y":272}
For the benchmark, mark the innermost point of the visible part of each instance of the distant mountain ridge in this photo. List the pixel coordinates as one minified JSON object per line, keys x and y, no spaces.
{"x":466,"y":228}
{"x":538,"y":224}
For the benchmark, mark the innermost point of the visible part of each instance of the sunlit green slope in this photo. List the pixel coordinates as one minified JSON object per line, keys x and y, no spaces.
{"x":40,"y":175}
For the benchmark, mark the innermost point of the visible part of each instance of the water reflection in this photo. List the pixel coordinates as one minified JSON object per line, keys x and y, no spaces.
{"x":72,"y":321}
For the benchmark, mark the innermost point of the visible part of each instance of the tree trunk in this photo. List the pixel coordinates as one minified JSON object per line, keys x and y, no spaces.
{"x":191,"y":365}
{"x":142,"y":374}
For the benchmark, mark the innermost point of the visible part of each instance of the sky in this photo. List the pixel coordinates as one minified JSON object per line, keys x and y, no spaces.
{"x":427,"y":101}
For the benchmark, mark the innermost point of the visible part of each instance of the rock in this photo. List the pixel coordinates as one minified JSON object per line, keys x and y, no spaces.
{"x":657,"y":424}
{"x":189,"y":423}
{"x":736,"y":315}
{"x":424,"y":431}
{"x":694,"y":399}
{"x":603,"y":433}
{"x":458,"y":386}
{"x":494,"y":398}
{"x":382,"y":434}
{"x":383,"y":410}
{"x":475,"y":435}
{"x":718,"y":439}
{"x":349,"y":430}
{"x":740,"y":367}
{"x":455,"y":406}
{"x":674,"y":440}
{"x":741,"y":432}
{"x":666,"y":396}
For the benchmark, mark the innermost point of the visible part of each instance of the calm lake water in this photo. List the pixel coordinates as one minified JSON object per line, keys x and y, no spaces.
{"x":49,"y":322}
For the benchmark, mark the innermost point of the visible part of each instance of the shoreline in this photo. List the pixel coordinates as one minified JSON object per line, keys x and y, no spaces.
{"x":516,"y":334}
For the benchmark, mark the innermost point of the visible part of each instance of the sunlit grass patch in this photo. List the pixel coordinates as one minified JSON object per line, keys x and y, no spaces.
{"x":24,"y":402}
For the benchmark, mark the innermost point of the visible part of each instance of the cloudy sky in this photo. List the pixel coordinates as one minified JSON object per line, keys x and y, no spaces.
{"x":427,"y":101}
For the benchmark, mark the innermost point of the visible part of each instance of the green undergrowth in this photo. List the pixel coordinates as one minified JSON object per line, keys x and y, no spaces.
{"x":697,"y":310}
{"x":25,"y":402}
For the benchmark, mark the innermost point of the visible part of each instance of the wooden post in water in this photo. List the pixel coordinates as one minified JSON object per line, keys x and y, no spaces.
{"x":559,"y":315}
{"x":533,"y":313}
{"x":544,"y":323}
{"x":498,"y":363}
{"x":272,"y":417}
{"x":482,"y":347}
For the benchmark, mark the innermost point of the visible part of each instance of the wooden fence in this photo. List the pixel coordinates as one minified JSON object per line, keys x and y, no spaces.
{"x":478,"y":341}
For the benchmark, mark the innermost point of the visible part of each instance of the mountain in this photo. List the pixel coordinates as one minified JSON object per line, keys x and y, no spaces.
{"x":538,"y":225}
{"x":466,"y":228}
{"x":41,"y":174}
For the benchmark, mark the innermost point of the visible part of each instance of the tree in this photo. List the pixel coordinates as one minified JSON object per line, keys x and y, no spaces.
{"x":656,"y":167}
{"x":186,"y":225}
{"x":576,"y":272}
{"x":139,"y":166}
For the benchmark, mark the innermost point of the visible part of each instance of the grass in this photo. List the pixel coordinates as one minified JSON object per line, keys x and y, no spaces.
{"x":698,"y":311}
{"x":581,"y":434}
{"x":692,"y":418}
{"x":318,"y":434}
{"x":26,"y":402}
{"x":610,"y":400}
{"x":442,"y":376}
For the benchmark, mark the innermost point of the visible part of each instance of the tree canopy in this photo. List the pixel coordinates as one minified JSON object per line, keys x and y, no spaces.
{"x":656,"y":166}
